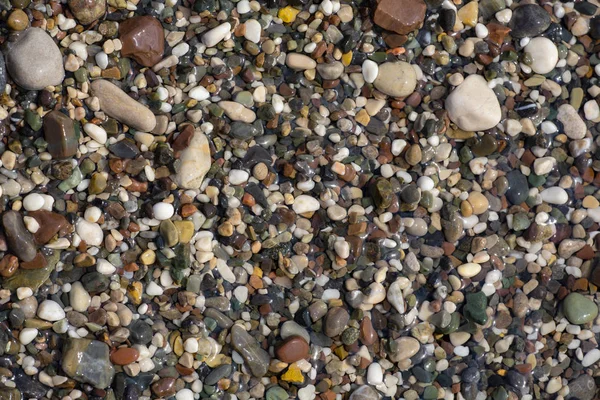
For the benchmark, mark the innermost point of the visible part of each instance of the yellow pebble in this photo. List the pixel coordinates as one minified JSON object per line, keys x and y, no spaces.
{"x":341,"y":353}
{"x":466,"y":209}
{"x":468,"y":14}
{"x":347,"y":58}
{"x":185,"y":230}
{"x":479,"y":202}
{"x":363,"y":117}
{"x":148,"y":257}
{"x":293,"y":374}
{"x":288,"y":14}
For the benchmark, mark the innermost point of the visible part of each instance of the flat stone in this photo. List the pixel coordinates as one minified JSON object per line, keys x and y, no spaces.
{"x":397,"y":79}
{"x":33,"y":278}
{"x":330,"y":71}
{"x":117,"y":104}
{"x":143,"y":40}
{"x":473,"y":106}
{"x":20,"y":241}
{"x":51,"y":224}
{"x":34,"y":60}
{"x":195,"y":162}
{"x":61,"y":135}
{"x":579,"y":309}
{"x":582,"y":388}
{"x":87,"y":361}
{"x":255,"y":356}
{"x":573,"y":124}
{"x":400,"y":16}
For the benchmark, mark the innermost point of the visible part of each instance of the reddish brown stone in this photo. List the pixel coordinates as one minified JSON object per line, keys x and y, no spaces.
{"x":367,"y":334}
{"x":292,"y":349}
{"x":164,"y":387}
{"x":38,"y":262}
{"x":8,"y":265}
{"x":400,"y":16}
{"x":142,"y":39}
{"x":50,"y":224}
{"x":124,"y":356}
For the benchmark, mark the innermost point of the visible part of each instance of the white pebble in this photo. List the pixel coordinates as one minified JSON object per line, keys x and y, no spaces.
{"x":33,"y":202}
{"x":49,"y":310}
{"x":253,"y":30}
{"x":370,"y":70}
{"x":163,"y":211}
{"x":27,"y":335}
{"x":153,"y":289}
{"x":96,"y":132}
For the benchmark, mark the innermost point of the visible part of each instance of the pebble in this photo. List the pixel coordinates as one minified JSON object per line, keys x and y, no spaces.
{"x":305,"y":204}
{"x":49,"y":310}
{"x":216,"y":35}
{"x":529,"y":20}
{"x":579,"y":309}
{"x":255,"y":357}
{"x":87,"y":361}
{"x":117,"y":104}
{"x":300,"y":62}
{"x":195,"y":162}
{"x":34,"y":61}
{"x":544,"y":55}
{"x":400,"y":16}
{"x":87,"y":11}
{"x":396,"y":79}
{"x":574,"y":126}
{"x":473,"y":106}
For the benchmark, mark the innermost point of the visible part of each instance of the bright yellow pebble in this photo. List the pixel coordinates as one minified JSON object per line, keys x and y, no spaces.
{"x":288,"y":14}
{"x":293,"y":374}
{"x":347,"y":58}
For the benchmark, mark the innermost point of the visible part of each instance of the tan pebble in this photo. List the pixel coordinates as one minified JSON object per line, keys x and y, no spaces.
{"x":260,"y":171}
{"x":466,"y":208}
{"x":590,"y":202}
{"x":479,"y":202}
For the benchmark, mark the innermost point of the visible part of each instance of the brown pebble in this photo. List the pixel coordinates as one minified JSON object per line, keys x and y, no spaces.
{"x":292,"y":349}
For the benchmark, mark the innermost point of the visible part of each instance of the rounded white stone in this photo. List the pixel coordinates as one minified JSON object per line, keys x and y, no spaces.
{"x":215,"y":35}
{"x":184,"y":394}
{"x":163,"y":211}
{"x":96,"y":132}
{"x":473,"y":106}
{"x":153,"y":289}
{"x":199,"y":93}
{"x":253,"y":30}
{"x":33,"y":202}
{"x":49,"y":310}
{"x":238,"y":176}
{"x":92,"y":214}
{"x":544,"y":54}
{"x":105,"y":267}
{"x":375,"y":374}
{"x":370,"y":70}
{"x":304,"y":204}
{"x":27,"y":335}
{"x":89,"y":232}
{"x":555,"y":195}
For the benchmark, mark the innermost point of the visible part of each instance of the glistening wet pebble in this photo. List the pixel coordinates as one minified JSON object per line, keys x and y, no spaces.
{"x":299,"y":199}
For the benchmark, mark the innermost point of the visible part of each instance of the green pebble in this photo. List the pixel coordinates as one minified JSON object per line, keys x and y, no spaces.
{"x":430,"y":393}
{"x":474,"y":310}
{"x":579,"y":309}
{"x":277,"y":393}
{"x":33,"y":119}
{"x":71,"y":182}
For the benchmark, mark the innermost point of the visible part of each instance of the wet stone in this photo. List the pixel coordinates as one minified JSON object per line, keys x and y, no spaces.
{"x":529,"y":20}
{"x":88,"y":361}
{"x":255,"y":357}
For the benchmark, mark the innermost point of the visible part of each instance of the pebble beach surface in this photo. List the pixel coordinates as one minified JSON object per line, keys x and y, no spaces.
{"x":299,"y":199}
